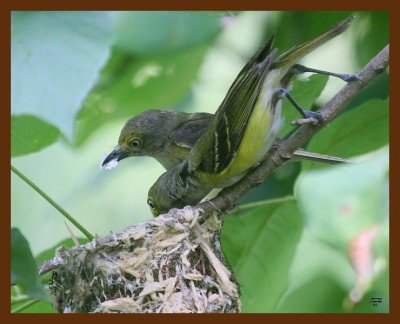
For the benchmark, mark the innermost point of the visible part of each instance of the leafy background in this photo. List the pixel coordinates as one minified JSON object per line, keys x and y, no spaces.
{"x":320,"y":241}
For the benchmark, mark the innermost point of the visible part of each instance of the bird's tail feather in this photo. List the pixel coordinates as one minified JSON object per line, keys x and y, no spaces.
{"x":296,"y":53}
{"x":317,"y":157}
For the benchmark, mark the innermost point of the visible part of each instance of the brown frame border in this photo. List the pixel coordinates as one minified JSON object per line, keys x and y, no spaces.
{"x":8,"y":6}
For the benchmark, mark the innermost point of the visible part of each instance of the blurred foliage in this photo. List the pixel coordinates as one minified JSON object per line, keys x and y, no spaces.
{"x":260,"y":247}
{"x":357,"y":132}
{"x":56,"y":57}
{"x":165,"y":31}
{"x":76,"y":78}
{"x":371,"y":29}
{"x":300,"y":26}
{"x":39,"y":134}
{"x":130,"y":85}
{"x":23,"y":267}
{"x":374,"y":31}
{"x":38,"y":307}
{"x":361,"y":199}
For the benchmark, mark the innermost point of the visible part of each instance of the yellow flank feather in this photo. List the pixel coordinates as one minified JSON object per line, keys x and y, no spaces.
{"x":260,"y":132}
{"x":254,"y":143}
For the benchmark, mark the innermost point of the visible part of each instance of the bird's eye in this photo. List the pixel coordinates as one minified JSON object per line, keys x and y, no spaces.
{"x":135,"y":143}
{"x":151,"y":203}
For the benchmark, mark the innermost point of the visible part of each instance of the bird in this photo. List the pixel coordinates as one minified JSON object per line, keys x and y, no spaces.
{"x":242,"y":130}
{"x":168,"y":136}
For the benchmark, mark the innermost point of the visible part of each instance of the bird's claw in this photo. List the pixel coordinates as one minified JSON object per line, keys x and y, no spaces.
{"x":314,"y":114}
{"x":350,"y":77}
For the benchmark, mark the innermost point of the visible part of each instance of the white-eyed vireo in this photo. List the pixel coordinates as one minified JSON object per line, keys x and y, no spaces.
{"x":168,"y":136}
{"x":242,"y":130}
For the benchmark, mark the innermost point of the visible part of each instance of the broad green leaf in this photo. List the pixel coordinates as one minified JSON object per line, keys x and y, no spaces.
{"x":132,"y":85}
{"x":279,"y":184}
{"x":316,"y":261}
{"x":341,"y":202}
{"x":55,"y":60}
{"x":361,"y":130}
{"x":304,"y":92}
{"x":30,"y":134}
{"x":23,"y":267}
{"x":158,"y":32}
{"x":322,"y":294}
{"x":260,"y":247}
{"x":377,"y":89}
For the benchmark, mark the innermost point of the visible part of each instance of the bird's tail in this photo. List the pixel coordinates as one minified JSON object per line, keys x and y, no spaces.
{"x":300,"y":155}
{"x":296,"y":53}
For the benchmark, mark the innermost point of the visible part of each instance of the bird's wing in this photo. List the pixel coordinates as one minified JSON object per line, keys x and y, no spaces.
{"x":191,"y":129}
{"x":225,"y":135}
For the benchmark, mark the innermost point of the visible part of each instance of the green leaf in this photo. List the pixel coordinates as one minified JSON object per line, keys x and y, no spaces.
{"x":377,"y":89}
{"x":379,"y":288}
{"x":55,"y":60}
{"x":132,"y":85}
{"x":372,"y":34}
{"x":30,"y":134}
{"x":37,"y":308}
{"x":361,"y":130}
{"x":158,"y":32}
{"x":279,"y":184}
{"x":322,"y":277}
{"x":322,"y":294}
{"x":260,"y":247}
{"x":23,"y":267}
{"x":317,"y":262}
{"x":342,"y":201}
{"x":304,"y":92}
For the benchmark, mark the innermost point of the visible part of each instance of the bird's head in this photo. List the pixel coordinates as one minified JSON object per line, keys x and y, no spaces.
{"x":164,"y":193}
{"x":144,"y":134}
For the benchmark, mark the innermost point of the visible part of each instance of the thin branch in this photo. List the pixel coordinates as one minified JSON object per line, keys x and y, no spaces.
{"x":229,"y":197}
{"x":52,"y":202}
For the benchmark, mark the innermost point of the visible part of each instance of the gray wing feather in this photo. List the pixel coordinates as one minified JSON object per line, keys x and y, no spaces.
{"x":190,"y":130}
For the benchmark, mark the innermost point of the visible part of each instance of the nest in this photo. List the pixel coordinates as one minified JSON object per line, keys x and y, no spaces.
{"x":171,"y":264}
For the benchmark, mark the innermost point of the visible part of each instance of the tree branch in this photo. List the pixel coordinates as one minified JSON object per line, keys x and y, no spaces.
{"x":229,"y":197}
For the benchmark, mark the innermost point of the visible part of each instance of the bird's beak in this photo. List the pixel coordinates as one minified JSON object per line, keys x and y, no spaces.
{"x":112,"y":159}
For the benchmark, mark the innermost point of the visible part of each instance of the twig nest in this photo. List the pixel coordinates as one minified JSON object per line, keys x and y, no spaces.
{"x":170,"y":264}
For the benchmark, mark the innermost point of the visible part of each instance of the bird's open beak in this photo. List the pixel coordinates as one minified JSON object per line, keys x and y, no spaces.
{"x":112,"y":159}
